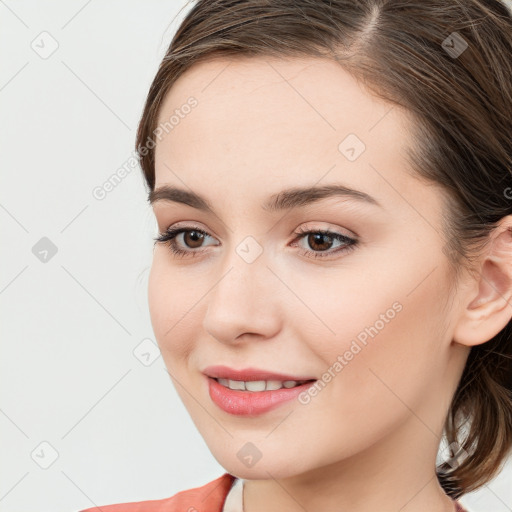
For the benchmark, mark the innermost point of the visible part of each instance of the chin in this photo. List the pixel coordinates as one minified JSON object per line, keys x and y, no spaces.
{"x":276,"y":467}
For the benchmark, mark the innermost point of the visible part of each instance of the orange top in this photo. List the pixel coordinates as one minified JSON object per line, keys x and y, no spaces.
{"x":209,"y":497}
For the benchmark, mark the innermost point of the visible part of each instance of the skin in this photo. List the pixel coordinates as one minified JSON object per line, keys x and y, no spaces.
{"x":368,"y":440}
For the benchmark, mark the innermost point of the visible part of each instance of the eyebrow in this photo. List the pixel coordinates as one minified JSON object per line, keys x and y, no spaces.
{"x":285,"y":200}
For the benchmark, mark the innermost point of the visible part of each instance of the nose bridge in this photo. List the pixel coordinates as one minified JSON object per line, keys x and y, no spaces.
{"x":243,"y":268}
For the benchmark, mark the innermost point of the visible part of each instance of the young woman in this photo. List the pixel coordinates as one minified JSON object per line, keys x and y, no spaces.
{"x":332,"y":280}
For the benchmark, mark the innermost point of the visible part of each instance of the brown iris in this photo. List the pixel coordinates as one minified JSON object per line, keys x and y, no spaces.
{"x":316,"y":238}
{"x":196,"y":238}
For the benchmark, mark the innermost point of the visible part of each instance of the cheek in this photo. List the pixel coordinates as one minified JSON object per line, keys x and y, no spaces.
{"x":389,"y":339}
{"x":173,"y":307}
{"x":159,"y":297}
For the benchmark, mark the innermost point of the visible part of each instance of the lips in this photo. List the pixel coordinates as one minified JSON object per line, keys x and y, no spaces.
{"x":251,"y":374}
{"x":244,"y":402}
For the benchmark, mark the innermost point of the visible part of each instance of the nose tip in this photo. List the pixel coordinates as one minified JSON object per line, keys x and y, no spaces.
{"x":242,"y":302}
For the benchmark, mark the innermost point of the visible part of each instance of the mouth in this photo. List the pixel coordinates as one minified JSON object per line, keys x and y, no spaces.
{"x":252,"y":392}
{"x":260,"y":385}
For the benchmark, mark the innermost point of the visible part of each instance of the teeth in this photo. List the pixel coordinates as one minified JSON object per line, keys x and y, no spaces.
{"x":258,"y":385}
{"x":273,"y":385}
{"x":236,"y":384}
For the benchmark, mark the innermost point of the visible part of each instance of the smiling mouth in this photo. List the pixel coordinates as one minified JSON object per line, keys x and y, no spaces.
{"x":252,"y":398}
{"x":260,"y":385}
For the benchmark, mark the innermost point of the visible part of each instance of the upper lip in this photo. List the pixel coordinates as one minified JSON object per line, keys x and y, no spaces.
{"x":249,"y":374}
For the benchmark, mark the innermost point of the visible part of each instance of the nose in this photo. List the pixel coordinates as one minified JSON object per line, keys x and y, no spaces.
{"x":244,"y":300}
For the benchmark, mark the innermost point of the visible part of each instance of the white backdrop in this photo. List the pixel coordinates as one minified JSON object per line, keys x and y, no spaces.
{"x":85,"y":418}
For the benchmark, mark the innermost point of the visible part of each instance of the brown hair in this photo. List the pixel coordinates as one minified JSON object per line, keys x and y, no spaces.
{"x":409,"y":54}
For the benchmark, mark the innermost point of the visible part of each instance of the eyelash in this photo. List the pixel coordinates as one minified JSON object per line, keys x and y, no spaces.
{"x":168,"y":237}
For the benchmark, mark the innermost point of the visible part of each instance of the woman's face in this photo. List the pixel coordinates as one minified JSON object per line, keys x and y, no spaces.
{"x":370,"y":320}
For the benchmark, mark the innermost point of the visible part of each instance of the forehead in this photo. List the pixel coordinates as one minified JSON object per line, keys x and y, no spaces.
{"x":260,"y":120}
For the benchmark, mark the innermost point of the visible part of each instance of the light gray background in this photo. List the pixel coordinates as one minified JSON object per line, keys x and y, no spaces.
{"x":76,"y":322}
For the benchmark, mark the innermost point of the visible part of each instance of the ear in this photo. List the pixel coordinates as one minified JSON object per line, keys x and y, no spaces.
{"x":488,"y":303}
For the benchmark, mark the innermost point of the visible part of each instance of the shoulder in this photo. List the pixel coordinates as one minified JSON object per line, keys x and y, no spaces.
{"x":210,"y":496}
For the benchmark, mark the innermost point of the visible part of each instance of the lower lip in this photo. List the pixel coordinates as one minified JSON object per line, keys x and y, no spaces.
{"x":251,"y":403}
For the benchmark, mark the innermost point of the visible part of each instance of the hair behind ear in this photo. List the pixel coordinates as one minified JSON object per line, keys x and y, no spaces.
{"x":480,"y":418}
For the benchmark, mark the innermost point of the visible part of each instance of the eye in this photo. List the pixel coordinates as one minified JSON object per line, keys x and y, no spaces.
{"x":319,"y":240}
{"x":322,"y":240}
{"x":193,"y":237}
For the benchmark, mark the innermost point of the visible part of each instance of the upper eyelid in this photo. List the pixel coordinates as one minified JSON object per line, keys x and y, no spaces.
{"x":300,"y":232}
{"x":304,"y":227}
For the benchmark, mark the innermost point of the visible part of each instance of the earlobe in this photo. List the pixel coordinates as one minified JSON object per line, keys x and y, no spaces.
{"x":489,"y":309}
